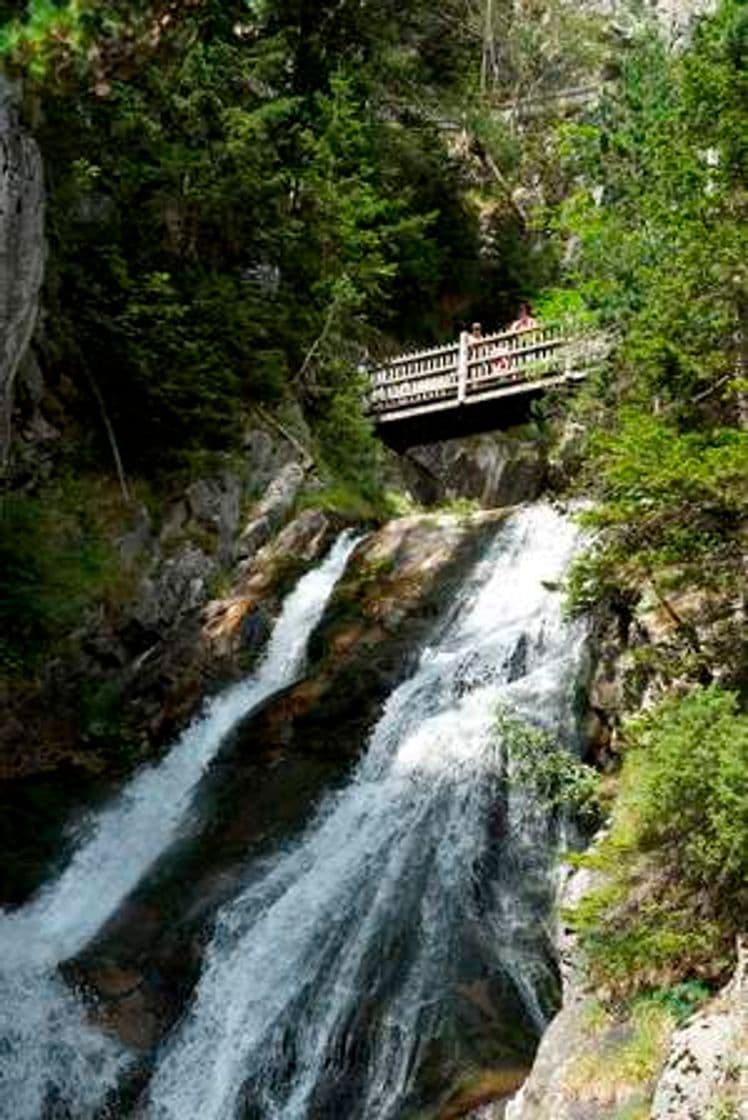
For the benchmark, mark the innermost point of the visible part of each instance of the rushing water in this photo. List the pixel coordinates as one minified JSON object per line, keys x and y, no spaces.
{"x":346,"y":965}
{"x":50,"y":1058}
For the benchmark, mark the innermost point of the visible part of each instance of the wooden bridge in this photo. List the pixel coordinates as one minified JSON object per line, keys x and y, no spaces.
{"x":476,"y":383}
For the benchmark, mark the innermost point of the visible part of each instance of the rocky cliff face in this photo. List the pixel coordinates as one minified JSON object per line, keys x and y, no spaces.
{"x":706,"y":1071}
{"x":584,"y":1068}
{"x":675,"y":17}
{"x":203,"y":580}
{"x":22,"y":247}
{"x":494,"y":469}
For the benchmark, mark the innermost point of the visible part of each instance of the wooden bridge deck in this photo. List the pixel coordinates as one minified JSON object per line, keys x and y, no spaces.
{"x":518,"y":363}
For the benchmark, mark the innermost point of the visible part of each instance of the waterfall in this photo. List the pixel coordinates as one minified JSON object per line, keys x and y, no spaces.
{"x":343,"y":963}
{"x":49,"y":1054}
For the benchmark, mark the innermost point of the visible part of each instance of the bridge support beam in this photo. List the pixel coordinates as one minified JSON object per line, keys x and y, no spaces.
{"x":462,"y":367}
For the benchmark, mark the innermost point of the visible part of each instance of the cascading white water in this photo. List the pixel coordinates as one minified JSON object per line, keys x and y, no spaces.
{"x":47,"y":1051}
{"x":329,"y":978}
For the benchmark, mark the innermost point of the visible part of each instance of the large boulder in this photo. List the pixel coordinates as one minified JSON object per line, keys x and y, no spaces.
{"x":214,"y":504}
{"x":179,"y":586}
{"x":706,"y":1073}
{"x":22,"y":247}
{"x":676,"y":18}
{"x":233,"y":623}
{"x":271,"y":511}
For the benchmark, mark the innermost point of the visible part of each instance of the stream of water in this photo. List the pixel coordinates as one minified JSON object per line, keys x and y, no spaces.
{"x":50,"y":1057}
{"x":399,"y":941}
{"x":356,"y":959}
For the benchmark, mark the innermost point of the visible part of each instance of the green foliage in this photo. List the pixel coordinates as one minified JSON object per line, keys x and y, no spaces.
{"x":668,"y":497}
{"x":241,"y":201}
{"x":559,"y":780}
{"x":460,"y":507}
{"x":565,"y":306}
{"x":47,"y":33}
{"x":657,"y":945}
{"x":349,"y":501}
{"x":55,"y":561}
{"x":346,"y":441}
{"x":675,"y":861}
{"x":631,"y":1058}
{"x":670,"y":277}
{"x":681,"y":1000}
{"x":724,"y":1110}
{"x":658,"y":224}
{"x":691,"y":756}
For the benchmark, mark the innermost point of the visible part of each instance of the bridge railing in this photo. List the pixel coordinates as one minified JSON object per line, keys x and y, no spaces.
{"x":471,"y":367}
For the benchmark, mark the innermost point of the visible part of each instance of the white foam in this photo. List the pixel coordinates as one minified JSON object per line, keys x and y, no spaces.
{"x":46,"y":1046}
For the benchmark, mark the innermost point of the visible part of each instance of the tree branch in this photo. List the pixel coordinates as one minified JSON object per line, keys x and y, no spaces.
{"x":109,"y":428}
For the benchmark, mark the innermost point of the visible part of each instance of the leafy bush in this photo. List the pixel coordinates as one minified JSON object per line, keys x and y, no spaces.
{"x":560,"y":781}
{"x":56,"y":560}
{"x":681,"y":1000}
{"x":675,"y":861}
{"x":691,"y":759}
{"x":667,"y":497}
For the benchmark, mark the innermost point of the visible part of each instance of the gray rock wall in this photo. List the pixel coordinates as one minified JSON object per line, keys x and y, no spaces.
{"x":675,"y":17}
{"x":706,"y":1073}
{"x":22,"y":247}
{"x":496,"y":469}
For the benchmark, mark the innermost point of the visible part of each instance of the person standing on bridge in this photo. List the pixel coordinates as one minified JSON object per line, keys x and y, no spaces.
{"x":525,"y":321}
{"x":475,"y":337}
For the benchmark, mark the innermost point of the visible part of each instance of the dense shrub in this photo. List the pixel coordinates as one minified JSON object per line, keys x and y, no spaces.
{"x":658,"y":222}
{"x":56,"y":561}
{"x":691,"y":755}
{"x":666,"y":497}
{"x":675,"y":861}
{"x":536,"y":761}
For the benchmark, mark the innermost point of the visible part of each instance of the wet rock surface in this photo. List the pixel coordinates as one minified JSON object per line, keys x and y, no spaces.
{"x":401,"y":583}
{"x":269,"y":513}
